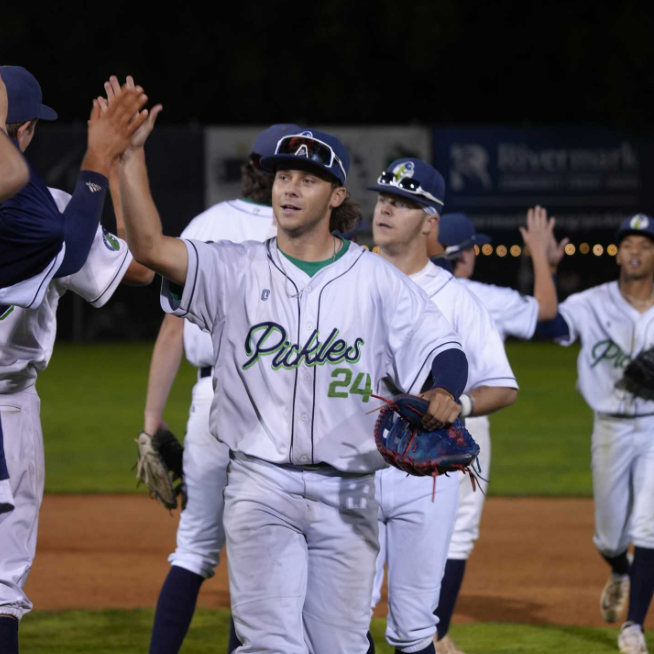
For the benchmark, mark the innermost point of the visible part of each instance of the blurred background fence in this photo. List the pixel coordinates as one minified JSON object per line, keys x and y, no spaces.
{"x":588,"y":177}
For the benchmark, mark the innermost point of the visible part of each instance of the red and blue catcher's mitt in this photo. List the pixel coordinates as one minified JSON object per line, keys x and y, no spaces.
{"x":404,"y":443}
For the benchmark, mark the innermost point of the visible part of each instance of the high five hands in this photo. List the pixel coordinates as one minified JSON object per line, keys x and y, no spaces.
{"x":114,"y":91}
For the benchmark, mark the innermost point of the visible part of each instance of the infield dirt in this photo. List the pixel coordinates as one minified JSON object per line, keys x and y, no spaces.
{"x":534,"y":563}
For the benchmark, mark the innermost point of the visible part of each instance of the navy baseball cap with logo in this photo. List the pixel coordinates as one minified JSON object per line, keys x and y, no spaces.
{"x":309,"y":146}
{"x":639,"y":224}
{"x":456,"y":233}
{"x":415,"y":180}
{"x":25,"y":96}
{"x":266,"y":142}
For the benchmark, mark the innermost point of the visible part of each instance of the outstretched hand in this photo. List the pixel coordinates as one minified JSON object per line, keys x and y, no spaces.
{"x":538,"y":232}
{"x":112,"y":88}
{"x":111,"y":131}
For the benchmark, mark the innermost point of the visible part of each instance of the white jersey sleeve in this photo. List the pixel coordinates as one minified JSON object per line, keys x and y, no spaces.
{"x":212,"y":276}
{"x":236,"y":221}
{"x":514,"y":314}
{"x":103,"y":270}
{"x":575,"y":310}
{"x":105,"y":265}
{"x":487,"y":361}
{"x":30,"y":293}
{"x":418,"y":333}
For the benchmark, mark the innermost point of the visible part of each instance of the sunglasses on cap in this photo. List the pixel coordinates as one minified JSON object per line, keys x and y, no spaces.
{"x":409,"y":184}
{"x":310,"y":148}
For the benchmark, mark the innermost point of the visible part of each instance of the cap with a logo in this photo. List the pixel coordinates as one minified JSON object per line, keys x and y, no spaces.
{"x":638,"y":224}
{"x":413,"y":179}
{"x":456,"y":233}
{"x":24,"y":96}
{"x":266,"y":142}
{"x":317,"y":149}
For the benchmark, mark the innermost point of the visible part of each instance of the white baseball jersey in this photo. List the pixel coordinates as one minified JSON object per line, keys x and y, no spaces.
{"x":27,"y":335}
{"x":480,"y":338}
{"x":514,"y":314}
{"x":296,"y":358}
{"x":31,"y":292}
{"x":237,"y":221}
{"x":612,"y":332}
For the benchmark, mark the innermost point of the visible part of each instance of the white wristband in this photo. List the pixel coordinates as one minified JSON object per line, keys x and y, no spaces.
{"x":467,"y":404}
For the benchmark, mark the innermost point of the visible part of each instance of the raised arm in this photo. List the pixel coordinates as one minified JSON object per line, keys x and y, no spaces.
{"x":147,"y":243}
{"x":14,"y":173}
{"x":137,"y":274}
{"x":537,"y":236}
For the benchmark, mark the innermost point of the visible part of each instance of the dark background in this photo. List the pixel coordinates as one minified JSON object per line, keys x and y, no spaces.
{"x":387,"y":62}
{"x":357,"y":63}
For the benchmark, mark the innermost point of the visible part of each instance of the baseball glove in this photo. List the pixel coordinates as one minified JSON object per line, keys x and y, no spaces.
{"x":159,"y":467}
{"x":404,"y":444}
{"x":638,"y":378}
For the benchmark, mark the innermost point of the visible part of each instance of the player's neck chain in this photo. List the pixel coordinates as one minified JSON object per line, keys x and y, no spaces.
{"x":638,"y":303}
{"x":280,"y":256}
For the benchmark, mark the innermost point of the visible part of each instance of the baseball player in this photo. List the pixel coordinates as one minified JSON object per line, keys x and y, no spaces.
{"x":27,"y":340}
{"x":37,"y":242}
{"x":14,"y":173}
{"x":614,"y":322}
{"x":304,"y":327}
{"x":514,"y":315}
{"x":415,"y":527}
{"x":200,"y":535}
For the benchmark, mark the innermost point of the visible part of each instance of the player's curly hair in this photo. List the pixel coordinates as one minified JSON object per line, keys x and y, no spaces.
{"x":12,"y":128}
{"x":256,"y":184}
{"x":346,"y":216}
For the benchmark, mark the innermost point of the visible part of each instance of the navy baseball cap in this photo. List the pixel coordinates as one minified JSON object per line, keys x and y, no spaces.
{"x":318,"y":149}
{"x":266,"y":142}
{"x":415,"y":180}
{"x":25,"y":96}
{"x":457,"y":233}
{"x":639,"y":224}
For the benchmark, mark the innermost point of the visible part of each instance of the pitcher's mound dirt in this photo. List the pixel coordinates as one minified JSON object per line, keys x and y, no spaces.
{"x":535,"y":561}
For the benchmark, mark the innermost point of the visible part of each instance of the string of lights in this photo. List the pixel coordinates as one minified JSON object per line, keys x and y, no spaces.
{"x":570,"y":249}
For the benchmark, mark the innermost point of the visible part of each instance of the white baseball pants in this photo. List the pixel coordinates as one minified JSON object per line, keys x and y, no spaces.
{"x":471,"y":503}
{"x":23,"y":440}
{"x":302,"y":546}
{"x":622,"y":462}
{"x":414,"y":537}
{"x":200,"y":534}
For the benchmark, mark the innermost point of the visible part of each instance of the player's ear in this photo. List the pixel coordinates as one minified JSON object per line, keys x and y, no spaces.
{"x":429,"y":225}
{"x":339,"y":195}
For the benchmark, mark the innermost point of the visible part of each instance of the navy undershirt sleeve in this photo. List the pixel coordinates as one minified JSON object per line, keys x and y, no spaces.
{"x":81,"y":219}
{"x":553,"y":329}
{"x":449,"y":370}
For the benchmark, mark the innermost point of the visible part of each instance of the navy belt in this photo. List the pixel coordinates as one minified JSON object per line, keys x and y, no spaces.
{"x":625,"y":417}
{"x":206,"y":371}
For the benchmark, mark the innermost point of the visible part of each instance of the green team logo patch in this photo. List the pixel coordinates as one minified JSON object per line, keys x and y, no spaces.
{"x":110,"y":241}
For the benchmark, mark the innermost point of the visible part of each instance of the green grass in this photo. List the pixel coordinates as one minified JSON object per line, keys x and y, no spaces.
{"x":541,"y":444}
{"x":128,"y":632}
{"x":92,"y":401}
{"x":93,"y":398}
